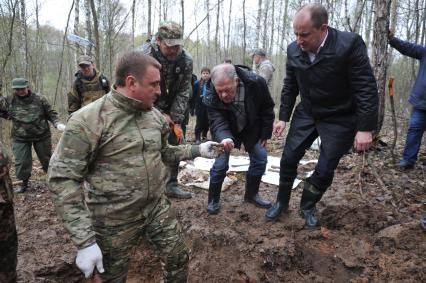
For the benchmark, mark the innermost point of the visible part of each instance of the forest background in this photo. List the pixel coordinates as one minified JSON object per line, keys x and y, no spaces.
{"x":32,"y":47}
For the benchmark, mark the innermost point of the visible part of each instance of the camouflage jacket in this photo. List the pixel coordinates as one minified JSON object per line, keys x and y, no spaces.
{"x":118,"y":148}
{"x":30,"y":115}
{"x":85,"y":91}
{"x":6,"y":192}
{"x":175,"y":83}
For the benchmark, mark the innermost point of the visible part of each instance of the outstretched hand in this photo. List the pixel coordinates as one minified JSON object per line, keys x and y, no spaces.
{"x":278,"y":129}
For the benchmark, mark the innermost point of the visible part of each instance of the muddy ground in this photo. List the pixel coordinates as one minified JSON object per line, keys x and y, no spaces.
{"x":369,"y":231}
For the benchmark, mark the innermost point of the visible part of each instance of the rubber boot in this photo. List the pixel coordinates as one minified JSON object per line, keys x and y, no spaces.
{"x":23,"y":187}
{"x":283,"y":199}
{"x":252,"y":192}
{"x":173,"y":190}
{"x":197,"y":138}
{"x":310,"y":196}
{"x":214,"y":197}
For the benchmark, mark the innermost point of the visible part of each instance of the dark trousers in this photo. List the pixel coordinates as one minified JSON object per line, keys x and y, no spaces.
{"x":23,"y":156}
{"x":8,"y":243}
{"x":337,"y":136}
{"x":202,"y":122}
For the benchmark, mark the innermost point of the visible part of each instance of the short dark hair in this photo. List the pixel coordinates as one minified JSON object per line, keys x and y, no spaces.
{"x":133,"y":63}
{"x":205,"y":69}
{"x":319,"y":14}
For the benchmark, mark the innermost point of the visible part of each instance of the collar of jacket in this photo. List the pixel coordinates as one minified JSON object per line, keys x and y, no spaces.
{"x":26,"y":98}
{"x":329,"y":48}
{"x":126,"y":103}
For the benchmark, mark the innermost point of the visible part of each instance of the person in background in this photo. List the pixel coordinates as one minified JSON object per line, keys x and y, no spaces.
{"x":202,"y":86}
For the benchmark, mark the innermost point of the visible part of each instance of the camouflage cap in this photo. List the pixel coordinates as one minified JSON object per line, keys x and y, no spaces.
{"x":84,"y":60}
{"x":259,"y":52}
{"x":171,"y":33}
{"x":19,"y":83}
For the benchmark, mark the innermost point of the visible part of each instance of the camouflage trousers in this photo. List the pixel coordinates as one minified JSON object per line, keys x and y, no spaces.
{"x":161,"y":228}
{"x":8,"y":243}
{"x":23,"y":156}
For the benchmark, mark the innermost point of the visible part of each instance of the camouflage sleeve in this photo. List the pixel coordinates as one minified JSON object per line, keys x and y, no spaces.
{"x":74,"y":101}
{"x":50,"y":113}
{"x":4,"y":157}
{"x":171,"y":154}
{"x":181,"y":101}
{"x":266,"y":72}
{"x":67,"y":169}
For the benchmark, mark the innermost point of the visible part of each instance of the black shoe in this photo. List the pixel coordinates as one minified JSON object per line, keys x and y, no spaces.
{"x":23,"y":188}
{"x":310,"y":196}
{"x":310,"y":217}
{"x":404,"y":165}
{"x":214,"y":197}
{"x":174,"y":191}
{"x":283,"y":199}
{"x":252,"y":192}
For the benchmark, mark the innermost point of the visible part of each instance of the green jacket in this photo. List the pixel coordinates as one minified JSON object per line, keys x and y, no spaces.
{"x":119,"y":148}
{"x":176,"y":89}
{"x":30,"y":115}
{"x":85,"y":91}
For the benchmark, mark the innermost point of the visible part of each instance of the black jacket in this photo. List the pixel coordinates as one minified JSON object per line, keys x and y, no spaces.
{"x":338,"y":82}
{"x":259,"y":108}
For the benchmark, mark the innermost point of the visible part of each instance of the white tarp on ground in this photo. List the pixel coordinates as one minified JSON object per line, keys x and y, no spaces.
{"x":196,"y":174}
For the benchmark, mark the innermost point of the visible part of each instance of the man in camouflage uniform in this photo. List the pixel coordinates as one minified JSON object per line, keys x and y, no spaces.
{"x":176,"y":73}
{"x":8,"y":236}
{"x":30,"y":113}
{"x":263,"y":67}
{"x":118,"y":145}
{"x":88,"y":86}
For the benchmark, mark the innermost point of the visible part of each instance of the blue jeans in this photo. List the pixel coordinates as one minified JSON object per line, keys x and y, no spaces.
{"x":414,"y":135}
{"x":258,"y":159}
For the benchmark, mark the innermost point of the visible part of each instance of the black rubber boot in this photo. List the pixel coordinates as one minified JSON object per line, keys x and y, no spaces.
{"x":310,"y":196}
{"x":23,"y":188}
{"x":214,"y":197}
{"x":173,"y":190}
{"x":197,"y":138}
{"x":283,"y":199}
{"x":252,"y":192}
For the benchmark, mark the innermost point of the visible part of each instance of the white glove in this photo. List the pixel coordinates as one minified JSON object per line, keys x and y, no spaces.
{"x":228,"y":144}
{"x":88,"y":258}
{"x":207,"y":151}
{"x":60,"y":127}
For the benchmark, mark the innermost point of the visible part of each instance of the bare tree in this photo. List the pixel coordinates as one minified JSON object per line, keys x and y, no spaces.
{"x":25,"y":36}
{"x":88,"y":13}
{"x":133,"y":23}
{"x":244,"y":32}
{"x":76,"y":23}
{"x":216,"y":36}
{"x":96,"y":31}
{"x":380,"y":54}
{"x":182,"y":5}
{"x":149,"y":18}
{"x":258,"y":19}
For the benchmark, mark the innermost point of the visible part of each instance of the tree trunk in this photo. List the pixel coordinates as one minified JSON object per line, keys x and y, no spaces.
{"x":265,"y":25}
{"x":259,"y":16}
{"x":149,"y":18}
{"x":88,"y":14}
{"x":285,"y":18}
{"x":182,"y":6}
{"x":228,"y":34}
{"x":76,"y":24}
{"x":244,"y":33}
{"x":216,"y":36}
{"x":271,"y":42}
{"x":133,"y":23}
{"x":96,"y":31}
{"x":380,"y":54}
{"x":25,"y":37}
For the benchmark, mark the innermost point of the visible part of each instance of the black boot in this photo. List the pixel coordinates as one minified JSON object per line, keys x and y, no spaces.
{"x":23,"y":187}
{"x":197,"y":138}
{"x":214,"y":196}
{"x":310,"y":196}
{"x":252,"y":192}
{"x":173,"y":190}
{"x":283,"y":199}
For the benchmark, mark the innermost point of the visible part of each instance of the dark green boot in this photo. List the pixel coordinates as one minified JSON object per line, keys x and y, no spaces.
{"x":214,"y":197}
{"x":23,"y":188}
{"x":252,"y":192}
{"x":283,"y":199}
{"x":310,"y":196}
{"x":173,"y":190}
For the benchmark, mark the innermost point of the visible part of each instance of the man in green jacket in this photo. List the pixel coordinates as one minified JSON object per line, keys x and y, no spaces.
{"x":118,"y":145}
{"x":30,"y":114}
{"x":89,"y":85}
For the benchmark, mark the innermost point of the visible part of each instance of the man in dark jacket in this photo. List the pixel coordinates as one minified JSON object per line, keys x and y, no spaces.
{"x":240,"y":111}
{"x":331,"y":71}
{"x":417,"y":99}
